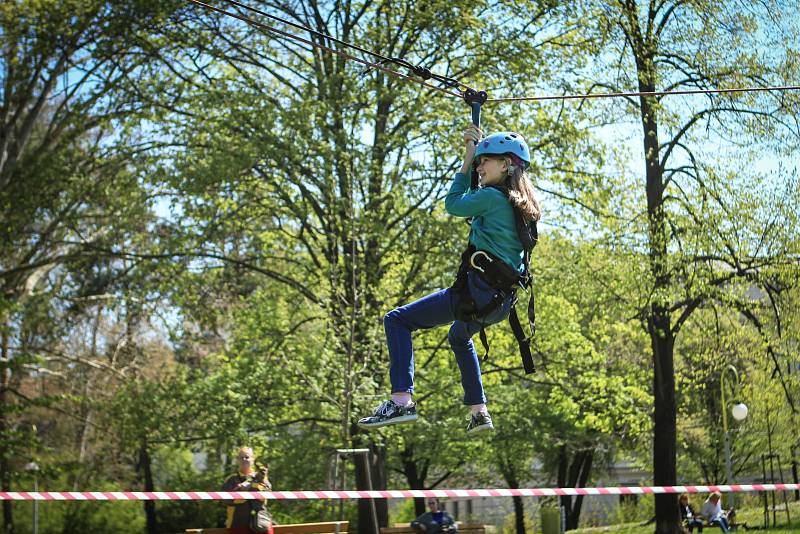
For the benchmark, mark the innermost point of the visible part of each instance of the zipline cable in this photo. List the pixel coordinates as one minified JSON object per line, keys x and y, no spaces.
{"x":646,"y":93}
{"x":323,"y":47}
{"x":474,"y":98}
{"x":419,"y":70}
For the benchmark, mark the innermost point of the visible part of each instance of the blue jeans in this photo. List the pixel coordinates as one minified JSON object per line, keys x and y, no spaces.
{"x":722,"y":523}
{"x":435,"y":310}
{"x":692,"y":523}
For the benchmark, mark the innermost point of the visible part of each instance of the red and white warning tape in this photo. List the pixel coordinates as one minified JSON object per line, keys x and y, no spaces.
{"x":382,"y":494}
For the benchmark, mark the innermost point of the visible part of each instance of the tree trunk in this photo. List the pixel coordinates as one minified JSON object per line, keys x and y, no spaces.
{"x":149,"y":506}
{"x":585,"y":468}
{"x":415,"y":476}
{"x":419,"y":505}
{"x":573,"y":475}
{"x":507,"y":470}
{"x":659,"y":322}
{"x":377,"y":464}
{"x":643,"y":45}
{"x":5,"y":468}
{"x":665,"y":435}
{"x":519,"y":515}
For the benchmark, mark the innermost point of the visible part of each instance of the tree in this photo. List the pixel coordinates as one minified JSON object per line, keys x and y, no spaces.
{"x":323,"y":166}
{"x":67,"y":70}
{"x":664,"y":46}
{"x":589,"y":398}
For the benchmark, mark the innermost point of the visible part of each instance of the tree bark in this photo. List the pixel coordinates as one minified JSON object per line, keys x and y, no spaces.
{"x":509,"y":474}
{"x":519,"y":514}
{"x":145,"y":466}
{"x":659,"y":321}
{"x":415,"y":475}
{"x":377,"y":464}
{"x":573,"y":475}
{"x":643,"y":44}
{"x":585,"y":468}
{"x":5,"y":468}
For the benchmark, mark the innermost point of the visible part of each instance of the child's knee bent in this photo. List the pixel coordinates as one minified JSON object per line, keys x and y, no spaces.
{"x":458,"y":336}
{"x":392,"y":318}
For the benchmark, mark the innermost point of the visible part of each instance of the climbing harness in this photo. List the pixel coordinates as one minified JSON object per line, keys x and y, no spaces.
{"x":505,"y":281}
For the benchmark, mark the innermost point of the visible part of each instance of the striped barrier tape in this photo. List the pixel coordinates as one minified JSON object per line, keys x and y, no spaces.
{"x":377,"y":494}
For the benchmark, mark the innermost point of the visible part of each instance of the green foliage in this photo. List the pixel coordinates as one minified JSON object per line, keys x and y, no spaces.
{"x":509,"y":525}
{"x":404,"y":513}
{"x":199,"y":242}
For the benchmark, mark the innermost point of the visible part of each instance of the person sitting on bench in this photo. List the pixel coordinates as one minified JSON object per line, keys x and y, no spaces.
{"x":689,"y":517}
{"x":436,"y":521}
{"x":712,"y":510}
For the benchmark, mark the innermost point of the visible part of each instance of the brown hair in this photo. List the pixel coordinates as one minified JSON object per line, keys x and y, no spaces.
{"x":521,"y":192}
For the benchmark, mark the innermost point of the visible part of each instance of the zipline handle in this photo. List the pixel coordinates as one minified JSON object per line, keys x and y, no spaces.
{"x":475,"y":99}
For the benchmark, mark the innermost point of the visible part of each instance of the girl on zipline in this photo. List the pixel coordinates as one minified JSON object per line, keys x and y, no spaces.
{"x":494,"y":264}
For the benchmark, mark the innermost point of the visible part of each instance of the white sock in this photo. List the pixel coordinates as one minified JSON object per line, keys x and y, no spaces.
{"x":401,"y":398}
{"x":478,"y":408}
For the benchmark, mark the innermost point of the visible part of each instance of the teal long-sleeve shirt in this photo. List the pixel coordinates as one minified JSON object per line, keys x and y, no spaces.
{"x":493,"y":227}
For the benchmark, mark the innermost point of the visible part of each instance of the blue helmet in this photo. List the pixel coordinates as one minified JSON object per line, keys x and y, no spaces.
{"x":502,"y":143}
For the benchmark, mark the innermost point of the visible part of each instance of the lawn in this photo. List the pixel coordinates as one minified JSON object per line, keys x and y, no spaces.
{"x":636,"y":529}
{"x":753,"y":516}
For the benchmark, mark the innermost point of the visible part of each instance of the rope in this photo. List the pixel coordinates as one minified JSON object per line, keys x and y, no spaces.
{"x":327,"y":48}
{"x":447,"y":81}
{"x":421,"y":71}
{"x":646,"y":93}
{"x":376,"y":494}
{"x":425,"y":73}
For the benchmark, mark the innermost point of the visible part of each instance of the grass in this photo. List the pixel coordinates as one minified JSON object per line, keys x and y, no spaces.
{"x":636,"y":529}
{"x":752,"y":515}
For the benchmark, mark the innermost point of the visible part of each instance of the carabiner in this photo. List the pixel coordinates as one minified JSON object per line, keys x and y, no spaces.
{"x":472,"y":260}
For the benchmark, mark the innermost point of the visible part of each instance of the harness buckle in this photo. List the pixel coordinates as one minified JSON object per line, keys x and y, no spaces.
{"x":472,"y":260}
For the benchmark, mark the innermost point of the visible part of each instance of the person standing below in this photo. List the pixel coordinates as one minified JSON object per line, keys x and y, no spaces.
{"x":436,"y":521}
{"x":712,"y":510}
{"x":248,"y":478}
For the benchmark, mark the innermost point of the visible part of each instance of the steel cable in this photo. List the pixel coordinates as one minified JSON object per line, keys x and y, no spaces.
{"x":369,"y":64}
{"x":422,"y":71}
{"x":449,"y":82}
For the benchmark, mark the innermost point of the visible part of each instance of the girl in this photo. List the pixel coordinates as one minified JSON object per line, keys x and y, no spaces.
{"x":484,"y":292}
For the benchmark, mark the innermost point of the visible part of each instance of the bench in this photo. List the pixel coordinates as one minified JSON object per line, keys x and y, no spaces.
{"x":734,"y":526}
{"x":332,"y":527}
{"x":464,"y":528}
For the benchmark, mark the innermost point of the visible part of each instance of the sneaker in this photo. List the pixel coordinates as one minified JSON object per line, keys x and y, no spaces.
{"x":389,"y":413}
{"x":479,"y":422}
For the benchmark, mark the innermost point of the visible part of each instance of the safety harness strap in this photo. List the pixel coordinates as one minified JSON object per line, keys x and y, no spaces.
{"x":505,"y":282}
{"x":523,"y":342}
